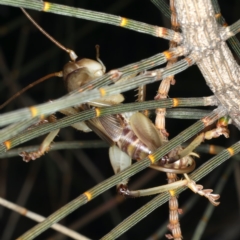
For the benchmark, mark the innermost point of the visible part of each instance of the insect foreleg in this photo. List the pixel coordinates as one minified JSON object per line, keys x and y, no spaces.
{"x":44,"y":147}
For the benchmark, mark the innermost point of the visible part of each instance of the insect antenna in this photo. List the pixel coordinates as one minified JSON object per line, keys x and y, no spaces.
{"x":71,"y":53}
{"x":98,"y":57}
{"x":56,"y":74}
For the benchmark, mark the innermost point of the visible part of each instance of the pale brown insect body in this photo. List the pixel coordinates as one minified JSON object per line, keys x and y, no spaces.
{"x":76,"y":74}
{"x":131,"y":135}
{"x":131,"y":144}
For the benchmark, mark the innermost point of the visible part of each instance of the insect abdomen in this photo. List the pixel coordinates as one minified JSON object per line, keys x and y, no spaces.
{"x":132,"y":145}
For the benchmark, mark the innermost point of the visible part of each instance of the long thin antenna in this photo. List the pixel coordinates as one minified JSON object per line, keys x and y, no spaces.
{"x":56,"y":74}
{"x":71,"y":53}
{"x":98,"y":57}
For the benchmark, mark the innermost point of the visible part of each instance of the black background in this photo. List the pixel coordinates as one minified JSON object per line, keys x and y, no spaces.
{"x":58,"y":177}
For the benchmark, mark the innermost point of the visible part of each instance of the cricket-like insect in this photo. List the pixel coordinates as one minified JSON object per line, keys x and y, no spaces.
{"x":131,"y":135}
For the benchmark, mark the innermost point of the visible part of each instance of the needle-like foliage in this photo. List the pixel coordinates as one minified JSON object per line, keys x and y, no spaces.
{"x":72,"y":178}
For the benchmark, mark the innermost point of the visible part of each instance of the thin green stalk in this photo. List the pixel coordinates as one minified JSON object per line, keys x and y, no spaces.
{"x":202,"y":171}
{"x":91,"y":113}
{"x":163,"y":7}
{"x":235,"y":27}
{"x":186,"y":113}
{"x":181,"y":113}
{"x":52,"y":52}
{"x":78,"y":98}
{"x":57,"y":146}
{"x":234,"y":42}
{"x":95,"y":16}
{"x":130,"y":171}
{"x":188,"y":205}
{"x":14,"y":129}
{"x":132,"y":69}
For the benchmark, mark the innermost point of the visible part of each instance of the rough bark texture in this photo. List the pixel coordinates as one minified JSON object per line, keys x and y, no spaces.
{"x":203,"y":38}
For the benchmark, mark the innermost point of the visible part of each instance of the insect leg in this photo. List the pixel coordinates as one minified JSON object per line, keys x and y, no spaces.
{"x":221,"y":129}
{"x":44,"y":147}
{"x":203,"y":192}
{"x":174,"y":225}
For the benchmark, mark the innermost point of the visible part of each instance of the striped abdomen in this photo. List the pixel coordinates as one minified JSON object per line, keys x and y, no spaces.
{"x":132,"y":145}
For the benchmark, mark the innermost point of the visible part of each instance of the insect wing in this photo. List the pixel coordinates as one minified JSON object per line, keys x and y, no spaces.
{"x":113,"y":126}
{"x":109,"y":128}
{"x":97,"y":127}
{"x":119,"y":159}
{"x":145,"y":130}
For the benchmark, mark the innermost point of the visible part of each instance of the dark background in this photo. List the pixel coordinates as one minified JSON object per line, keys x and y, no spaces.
{"x":58,"y":177}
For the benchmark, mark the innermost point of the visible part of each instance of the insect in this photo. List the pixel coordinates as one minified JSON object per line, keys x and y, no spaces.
{"x":132,"y":133}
